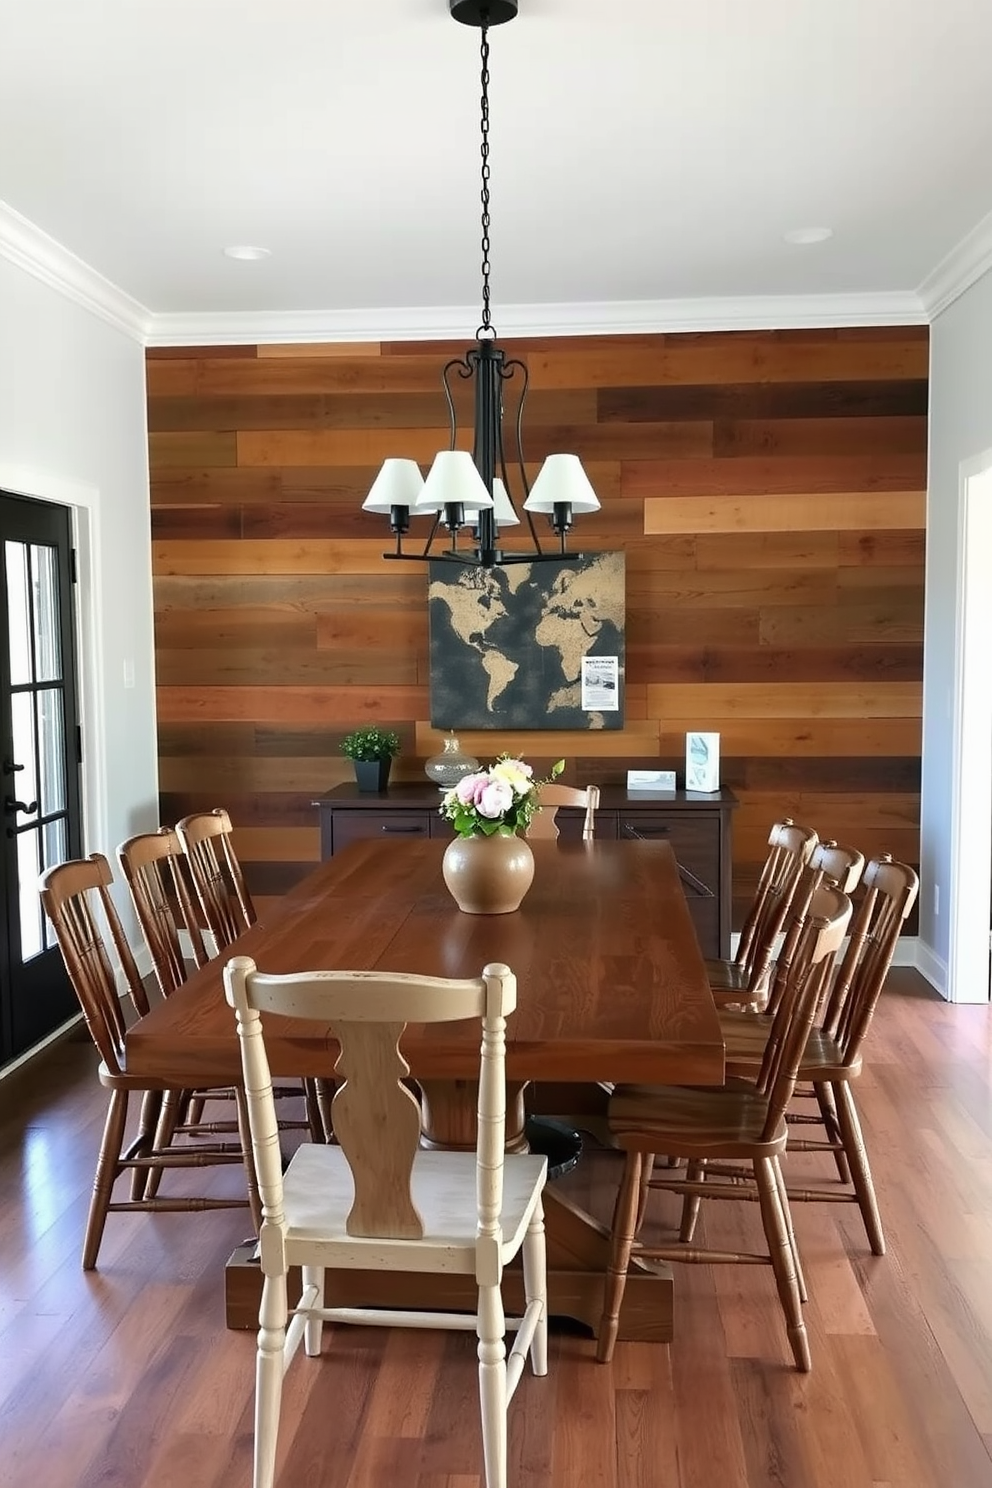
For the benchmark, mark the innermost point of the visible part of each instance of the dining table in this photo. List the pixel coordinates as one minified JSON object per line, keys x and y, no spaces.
{"x":611,"y":988}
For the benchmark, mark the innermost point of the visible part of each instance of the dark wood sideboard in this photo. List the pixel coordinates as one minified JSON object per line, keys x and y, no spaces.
{"x":698,"y":827}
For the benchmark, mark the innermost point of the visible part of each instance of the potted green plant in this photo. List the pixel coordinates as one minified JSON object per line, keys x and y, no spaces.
{"x":371,"y":750}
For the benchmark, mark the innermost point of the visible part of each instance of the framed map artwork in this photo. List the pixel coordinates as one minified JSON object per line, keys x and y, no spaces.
{"x":528,"y":645}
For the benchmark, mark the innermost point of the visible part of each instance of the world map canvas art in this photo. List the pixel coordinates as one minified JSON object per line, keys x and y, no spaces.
{"x":528,"y":645}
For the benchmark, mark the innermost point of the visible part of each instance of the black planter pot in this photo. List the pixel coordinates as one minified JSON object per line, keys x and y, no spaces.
{"x":372,"y":776}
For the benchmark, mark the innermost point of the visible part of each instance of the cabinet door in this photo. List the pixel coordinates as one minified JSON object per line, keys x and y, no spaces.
{"x":696,"y":843}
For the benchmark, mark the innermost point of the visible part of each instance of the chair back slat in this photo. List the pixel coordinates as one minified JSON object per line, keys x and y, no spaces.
{"x":376,"y":1117}
{"x":544,"y":825}
{"x":890,"y":893}
{"x":790,"y":846}
{"x":829,"y":863}
{"x":74,"y":895}
{"x":217,"y":876}
{"x":823,"y":932}
{"x":157,"y":873}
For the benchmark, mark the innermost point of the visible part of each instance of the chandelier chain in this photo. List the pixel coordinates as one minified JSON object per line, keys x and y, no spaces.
{"x":487,"y":322}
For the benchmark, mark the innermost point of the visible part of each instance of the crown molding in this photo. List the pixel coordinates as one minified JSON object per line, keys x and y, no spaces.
{"x":624,"y":317}
{"x":32,"y":250}
{"x":966,"y":263}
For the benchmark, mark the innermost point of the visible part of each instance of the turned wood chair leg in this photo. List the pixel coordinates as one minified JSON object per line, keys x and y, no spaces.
{"x":648,"y":1160}
{"x":251,"y":1176}
{"x":695,"y":1173}
{"x":780,"y":1250}
{"x":831,"y":1125}
{"x":107,"y":1169}
{"x":621,"y":1244}
{"x":268,"y":1378}
{"x":786,"y":1210}
{"x":151,"y":1108}
{"x":857,"y":1156}
{"x":536,"y":1286}
{"x":491,"y":1326}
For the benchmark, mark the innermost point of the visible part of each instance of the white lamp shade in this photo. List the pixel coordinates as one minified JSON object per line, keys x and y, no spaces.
{"x":503,"y":509}
{"x":452,"y":481}
{"x":399,"y":483}
{"x":561,"y":478}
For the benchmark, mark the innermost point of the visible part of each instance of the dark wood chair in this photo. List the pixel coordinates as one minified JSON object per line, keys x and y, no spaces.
{"x":74,"y":896}
{"x":743,"y":981}
{"x":832,"y":1060}
{"x":227,"y":910}
{"x":743,"y":1126}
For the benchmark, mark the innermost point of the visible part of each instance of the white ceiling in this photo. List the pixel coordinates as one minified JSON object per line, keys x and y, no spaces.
{"x":643,"y":151}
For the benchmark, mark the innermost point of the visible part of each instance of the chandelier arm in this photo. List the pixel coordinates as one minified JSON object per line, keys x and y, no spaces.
{"x":462,"y":366}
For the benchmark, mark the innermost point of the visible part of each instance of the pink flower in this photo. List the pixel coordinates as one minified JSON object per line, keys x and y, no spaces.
{"x":495,"y":798}
{"x":470,"y":787}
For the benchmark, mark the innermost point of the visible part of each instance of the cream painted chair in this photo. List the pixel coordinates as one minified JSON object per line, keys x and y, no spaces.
{"x":543,"y":824}
{"x":379,"y":1202}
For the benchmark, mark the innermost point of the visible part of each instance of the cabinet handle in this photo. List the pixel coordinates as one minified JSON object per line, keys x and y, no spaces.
{"x":416,"y":830}
{"x":647,"y":836}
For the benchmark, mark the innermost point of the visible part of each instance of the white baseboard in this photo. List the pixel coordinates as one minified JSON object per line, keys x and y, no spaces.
{"x":929,"y":965}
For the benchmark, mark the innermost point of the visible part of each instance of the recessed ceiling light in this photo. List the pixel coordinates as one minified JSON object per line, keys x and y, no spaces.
{"x":808,"y":234}
{"x":247,"y":253}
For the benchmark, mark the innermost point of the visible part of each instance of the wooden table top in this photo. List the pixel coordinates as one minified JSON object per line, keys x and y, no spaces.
{"x":611,"y":983}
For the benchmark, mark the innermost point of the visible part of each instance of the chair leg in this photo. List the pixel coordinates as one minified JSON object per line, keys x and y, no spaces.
{"x":151,"y":1107}
{"x":695,"y":1173}
{"x":857,"y":1156}
{"x":621,"y":1244}
{"x":534,"y":1256}
{"x":796,"y":1260}
{"x":251,"y":1177}
{"x":491,"y":1326}
{"x":314,"y":1327}
{"x":173,"y":1104}
{"x":648,"y":1161}
{"x":781,"y":1255}
{"x":268,"y":1378}
{"x":107,"y":1169}
{"x":831,"y":1124}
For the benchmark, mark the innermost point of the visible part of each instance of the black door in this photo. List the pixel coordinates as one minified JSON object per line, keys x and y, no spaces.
{"x":39,"y":762}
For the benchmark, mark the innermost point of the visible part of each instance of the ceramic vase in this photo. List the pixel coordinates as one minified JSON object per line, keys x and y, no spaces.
{"x":488,"y":875}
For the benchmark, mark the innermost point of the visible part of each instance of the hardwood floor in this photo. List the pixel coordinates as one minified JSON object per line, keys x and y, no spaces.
{"x":127,"y":1376}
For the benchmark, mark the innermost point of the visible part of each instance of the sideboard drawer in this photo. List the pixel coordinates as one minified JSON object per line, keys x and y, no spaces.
{"x":359,"y":826}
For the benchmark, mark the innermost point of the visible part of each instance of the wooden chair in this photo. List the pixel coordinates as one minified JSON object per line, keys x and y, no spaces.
{"x":832,"y":1060}
{"x":744,"y":979}
{"x":744,"y":1126}
{"x":74,"y":895}
{"x":543,"y":824}
{"x":219,"y":882}
{"x":227,"y":910}
{"x":157,"y":873}
{"x":385,"y":1204}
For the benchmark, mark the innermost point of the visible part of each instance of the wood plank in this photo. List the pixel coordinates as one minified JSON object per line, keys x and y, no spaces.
{"x":820,"y":436}
{"x":862,"y":398}
{"x":814,"y":736}
{"x":270,"y":556}
{"x":762,"y":475}
{"x":278,"y":664}
{"x":341,"y":705}
{"x":198,"y":448}
{"x":785,"y":513}
{"x":722,"y":702}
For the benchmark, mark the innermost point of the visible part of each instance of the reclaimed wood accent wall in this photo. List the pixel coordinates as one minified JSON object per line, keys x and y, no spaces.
{"x":768,"y":489}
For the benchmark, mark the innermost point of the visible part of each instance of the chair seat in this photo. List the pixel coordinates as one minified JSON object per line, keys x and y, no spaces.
{"x":318,"y":1192}
{"x":729,"y":983}
{"x":745,"y":1036}
{"x":684,"y":1122}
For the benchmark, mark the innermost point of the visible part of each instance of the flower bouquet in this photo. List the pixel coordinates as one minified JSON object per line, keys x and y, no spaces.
{"x":499,"y":801}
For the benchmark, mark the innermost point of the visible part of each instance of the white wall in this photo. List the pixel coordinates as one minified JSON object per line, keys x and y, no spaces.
{"x":72,"y":429}
{"x":960,"y":430}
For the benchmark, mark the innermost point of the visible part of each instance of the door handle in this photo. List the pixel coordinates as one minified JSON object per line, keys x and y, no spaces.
{"x":9,"y":768}
{"x":11,"y":807}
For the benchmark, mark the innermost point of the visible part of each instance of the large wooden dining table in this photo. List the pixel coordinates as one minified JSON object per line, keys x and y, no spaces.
{"x":611,"y":988}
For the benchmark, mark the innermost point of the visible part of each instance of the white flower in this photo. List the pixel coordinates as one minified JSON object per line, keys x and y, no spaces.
{"x":515,"y":774}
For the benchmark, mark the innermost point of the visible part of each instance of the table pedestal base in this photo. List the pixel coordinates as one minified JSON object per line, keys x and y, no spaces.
{"x":578,"y":1247}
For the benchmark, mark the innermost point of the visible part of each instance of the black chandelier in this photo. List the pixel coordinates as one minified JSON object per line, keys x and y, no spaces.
{"x":474,"y":490}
